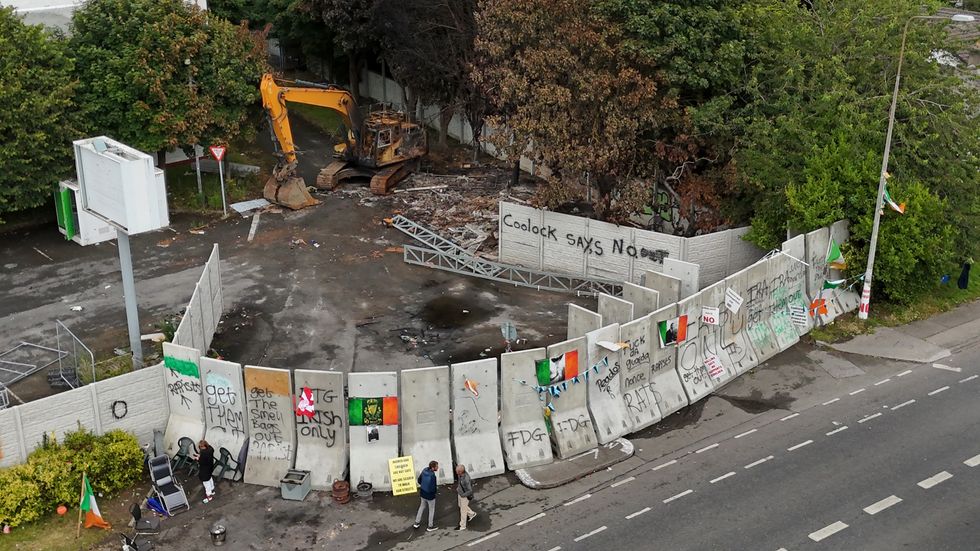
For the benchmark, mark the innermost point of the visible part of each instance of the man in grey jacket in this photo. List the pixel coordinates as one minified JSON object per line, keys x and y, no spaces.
{"x":464,"y":493}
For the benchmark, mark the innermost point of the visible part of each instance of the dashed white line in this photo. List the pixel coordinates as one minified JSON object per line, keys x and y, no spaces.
{"x":800,"y":445}
{"x":938,"y":390}
{"x":678,"y":496}
{"x":827,"y":531}
{"x":870,"y":417}
{"x":722,"y":477}
{"x":706,"y":448}
{"x":903,"y":404}
{"x":880,"y":506}
{"x":883,"y":381}
{"x":592,"y":533}
{"x":638,"y":513}
{"x":555,"y":548}
{"x":973,"y":461}
{"x":662,"y":465}
{"x":530,"y":519}
{"x":790,"y":416}
{"x":828,"y":402}
{"x":576,"y":500}
{"x":759,"y":462}
{"x":970,"y":378}
{"x":255,"y":226}
{"x":904,"y":373}
{"x":947,"y":368}
{"x":623,"y":481}
{"x":835,"y":431}
{"x":858,"y":391}
{"x":746,"y":433}
{"x":483,"y":539}
{"x":934,"y":480}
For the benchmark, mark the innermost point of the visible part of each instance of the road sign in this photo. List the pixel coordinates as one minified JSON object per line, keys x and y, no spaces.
{"x":218,"y":151}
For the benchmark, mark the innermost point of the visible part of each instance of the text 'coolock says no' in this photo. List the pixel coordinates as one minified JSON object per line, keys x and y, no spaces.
{"x":589,"y":245}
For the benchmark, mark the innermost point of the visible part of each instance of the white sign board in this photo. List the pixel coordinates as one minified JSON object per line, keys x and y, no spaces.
{"x":732,"y":300}
{"x":709,"y":315}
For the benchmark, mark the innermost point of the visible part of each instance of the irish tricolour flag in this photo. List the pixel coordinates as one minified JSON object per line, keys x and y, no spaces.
{"x":91,"y":509}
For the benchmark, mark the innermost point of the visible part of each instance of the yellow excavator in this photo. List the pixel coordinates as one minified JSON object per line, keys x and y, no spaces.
{"x":385,"y":146}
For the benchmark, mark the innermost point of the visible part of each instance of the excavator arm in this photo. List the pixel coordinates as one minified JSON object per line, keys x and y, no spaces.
{"x":274,"y":98}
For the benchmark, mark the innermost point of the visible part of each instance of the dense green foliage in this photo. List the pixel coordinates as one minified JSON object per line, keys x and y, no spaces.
{"x":37,"y":120}
{"x":52,"y":475}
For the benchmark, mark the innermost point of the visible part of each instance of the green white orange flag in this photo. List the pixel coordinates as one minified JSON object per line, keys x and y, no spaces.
{"x":897,"y":207}
{"x":833,"y":283}
{"x":91,"y":509}
{"x":835,"y":259}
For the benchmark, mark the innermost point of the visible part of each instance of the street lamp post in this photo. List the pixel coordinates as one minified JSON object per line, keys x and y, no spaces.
{"x":879,"y":202}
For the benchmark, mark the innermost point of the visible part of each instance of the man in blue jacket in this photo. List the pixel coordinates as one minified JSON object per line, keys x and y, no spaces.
{"x":427,"y":491}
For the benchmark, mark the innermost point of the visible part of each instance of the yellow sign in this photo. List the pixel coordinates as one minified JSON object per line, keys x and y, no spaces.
{"x":402,"y":472}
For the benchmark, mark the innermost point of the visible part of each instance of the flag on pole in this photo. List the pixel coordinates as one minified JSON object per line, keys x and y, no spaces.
{"x":835,"y":258}
{"x":91,"y":509}
{"x":833,"y":284}
{"x":897,"y":207}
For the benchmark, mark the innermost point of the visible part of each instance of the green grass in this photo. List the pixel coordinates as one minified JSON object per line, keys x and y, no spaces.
{"x":182,"y":189}
{"x":55,"y":533}
{"x":327,"y":120}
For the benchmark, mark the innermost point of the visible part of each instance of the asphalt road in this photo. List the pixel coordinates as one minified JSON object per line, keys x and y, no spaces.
{"x":892,"y":464}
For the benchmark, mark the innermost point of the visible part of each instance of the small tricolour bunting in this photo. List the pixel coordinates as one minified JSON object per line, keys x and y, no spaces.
{"x":833,"y":283}
{"x":897,"y":207}
{"x":835,"y":258}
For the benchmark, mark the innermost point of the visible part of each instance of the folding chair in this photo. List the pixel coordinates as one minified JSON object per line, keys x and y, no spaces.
{"x":186,"y":449}
{"x":148,"y":526}
{"x":170,"y":491}
{"x":225,"y":462}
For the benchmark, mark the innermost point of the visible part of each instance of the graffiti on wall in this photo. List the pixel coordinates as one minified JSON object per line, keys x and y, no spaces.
{"x":223,"y":406}
{"x":267,"y":425}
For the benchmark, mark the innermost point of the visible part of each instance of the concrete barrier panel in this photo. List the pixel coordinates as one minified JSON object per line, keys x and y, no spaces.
{"x":711,"y":336}
{"x":523,"y":431}
{"x":688,"y":273}
{"x":735,"y":337}
{"x":604,"y":397}
{"x":581,"y":321}
{"x":781,"y":291}
{"x":639,"y":398}
{"x":271,"y":430}
{"x":183,"y":376}
{"x":796,"y":247}
{"x":757,"y":307}
{"x":571,"y":424}
{"x":224,"y":406}
{"x":11,"y":452}
{"x":795,"y":278}
{"x":135,"y":402}
{"x":644,"y":299}
{"x":373,"y":434}
{"x":425,"y":419}
{"x":56,"y":415}
{"x":846,"y":299}
{"x":669,"y":288}
{"x":614,"y":310}
{"x":690,"y":364}
{"x":321,"y":437}
{"x":665,"y":381}
{"x":476,"y":442}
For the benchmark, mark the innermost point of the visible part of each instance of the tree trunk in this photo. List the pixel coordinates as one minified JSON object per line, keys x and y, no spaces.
{"x":161,"y":159}
{"x":445,"y":117}
{"x":516,"y":177}
{"x":354,"y":74}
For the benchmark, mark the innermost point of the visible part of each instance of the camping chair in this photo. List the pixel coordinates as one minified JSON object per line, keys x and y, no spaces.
{"x":185,"y":457}
{"x":225,"y":462}
{"x":148,"y":526}
{"x":170,"y":491}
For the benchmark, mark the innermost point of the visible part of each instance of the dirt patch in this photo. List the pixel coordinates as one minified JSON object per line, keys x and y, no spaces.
{"x":450,"y":312}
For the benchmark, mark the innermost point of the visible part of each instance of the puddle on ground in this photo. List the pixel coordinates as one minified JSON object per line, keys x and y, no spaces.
{"x":451,"y":312}
{"x":683,"y":418}
{"x":755,"y":403}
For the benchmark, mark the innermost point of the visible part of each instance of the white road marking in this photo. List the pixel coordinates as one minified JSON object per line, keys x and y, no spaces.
{"x":827,"y":531}
{"x":483,"y":539}
{"x":706,"y":448}
{"x":746,"y":433}
{"x":555,"y":548}
{"x":934,"y":480}
{"x":970,"y":378}
{"x":678,"y":496}
{"x":973,"y":461}
{"x":828,"y":402}
{"x":883,"y":381}
{"x":870,"y":417}
{"x":858,"y":391}
{"x":638,"y":513}
{"x":880,"y":506}
{"x":903,"y":404}
{"x":759,"y":462}
{"x":835,"y":431}
{"x":623,"y":481}
{"x":576,"y":500}
{"x":947,"y":368}
{"x":255,"y":226}
{"x":800,"y":445}
{"x":592,"y":533}
{"x":662,"y":465}
{"x":42,"y":254}
{"x":723,"y":477}
{"x":530,"y":519}
{"x":790,"y":416}
{"x":904,"y":373}
{"x":938,"y":390}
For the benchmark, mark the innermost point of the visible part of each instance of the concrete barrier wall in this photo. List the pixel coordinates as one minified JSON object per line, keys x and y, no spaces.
{"x":203,"y":312}
{"x":690,"y":362}
{"x":581,"y":321}
{"x":135,"y":402}
{"x":614,"y":310}
{"x":41,"y":417}
{"x":687,"y":272}
{"x":735,"y":334}
{"x":425,"y":419}
{"x":757,"y":297}
{"x":224,"y":406}
{"x":183,"y":377}
{"x":665,"y":380}
{"x":523,"y":431}
{"x":476,"y":442}
{"x":795,"y":275}
{"x":321,"y":437}
{"x":714,"y":356}
{"x":781,"y":291}
{"x":668,"y":287}
{"x":271,"y":430}
{"x":639,"y":398}
{"x":372,"y":444}
{"x":644,"y":299}
{"x":571,"y":425}
{"x":605,"y":398}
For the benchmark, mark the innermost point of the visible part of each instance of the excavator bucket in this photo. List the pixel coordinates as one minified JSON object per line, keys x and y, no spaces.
{"x":290,"y":192}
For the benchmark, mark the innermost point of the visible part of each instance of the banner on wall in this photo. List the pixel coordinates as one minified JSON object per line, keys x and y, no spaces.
{"x":672,"y":331}
{"x":402,"y":473}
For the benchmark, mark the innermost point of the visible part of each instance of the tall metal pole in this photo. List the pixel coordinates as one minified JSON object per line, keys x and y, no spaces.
{"x":129,"y":293}
{"x":197,"y":167}
{"x":221,"y":176}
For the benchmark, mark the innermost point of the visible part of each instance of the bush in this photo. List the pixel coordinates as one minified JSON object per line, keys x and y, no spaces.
{"x":53,"y":473}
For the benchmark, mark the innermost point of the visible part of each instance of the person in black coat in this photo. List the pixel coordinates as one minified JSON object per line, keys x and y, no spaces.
{"x":205,"y":464}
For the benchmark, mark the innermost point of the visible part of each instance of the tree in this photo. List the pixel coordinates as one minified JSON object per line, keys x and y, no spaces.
{"x":351,"y":24}
{"x":160,"y":74}
{"x":38,"y":119}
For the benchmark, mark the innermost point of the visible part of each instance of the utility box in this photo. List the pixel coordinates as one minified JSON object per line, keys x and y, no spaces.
{"x":120,"y":185}
{"x":295,"y":485}
{"x":76,"y":224}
